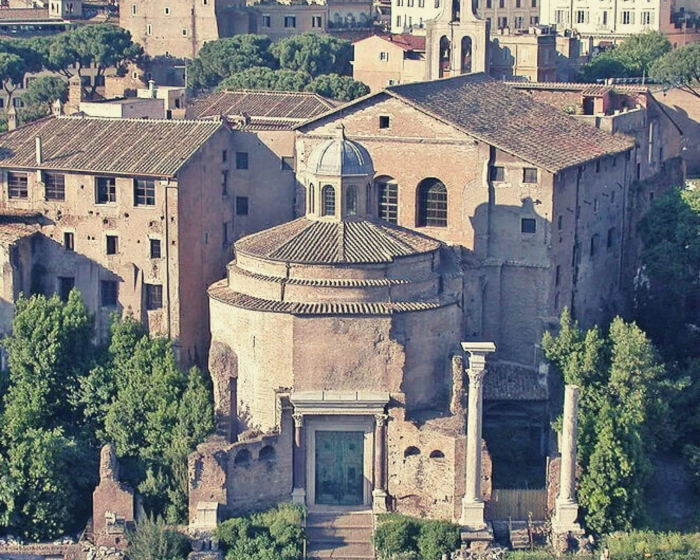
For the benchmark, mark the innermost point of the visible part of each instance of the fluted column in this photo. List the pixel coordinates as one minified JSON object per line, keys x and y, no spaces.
{"x":472,"y":505}
{"x":379,"y":494}
{"x":299,"y":457}
{"x":566,"y":508}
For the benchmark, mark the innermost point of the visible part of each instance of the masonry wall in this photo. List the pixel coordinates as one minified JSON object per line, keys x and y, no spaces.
{"x":16,"y":263}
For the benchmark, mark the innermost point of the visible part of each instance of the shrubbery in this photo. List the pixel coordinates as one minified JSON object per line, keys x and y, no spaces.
{"x":275,"y":534}
{"x":401,"y":537}
{"x":152,"y":540}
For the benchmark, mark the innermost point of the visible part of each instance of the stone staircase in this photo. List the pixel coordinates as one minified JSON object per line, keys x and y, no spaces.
{"x":340,"y":534}
{"x":519,"y":535}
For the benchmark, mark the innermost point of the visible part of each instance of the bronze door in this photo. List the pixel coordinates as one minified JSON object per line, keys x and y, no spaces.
{"x":339,"y":468}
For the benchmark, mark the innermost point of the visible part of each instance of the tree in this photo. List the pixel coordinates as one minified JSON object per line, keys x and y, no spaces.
{"x":267,"y":79}
{"x":602,"y":67}
{"x":623,"y":415}
{"x":12,"y":70}
{"x":314,"y":54}
{"x":680,"y":68}
{"x":220,"y":59}
{"x":342,"y":88}
{"x":44,"y":90}
{"x":99,"y":46}
{"x":152,"y":540}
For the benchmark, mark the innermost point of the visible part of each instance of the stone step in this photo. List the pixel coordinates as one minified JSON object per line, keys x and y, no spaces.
{"x":325,"y":534}
{"x":334,"y":520}
{"x":340,"y":550}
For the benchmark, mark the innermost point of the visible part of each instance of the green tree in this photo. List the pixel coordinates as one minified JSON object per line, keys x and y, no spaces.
{"x":152,"y":540}
{"x":680,"y":68}
{"x":623,"y":415}
{"x":314,"y":54}
{"x":100,"y":46}
{"x":220,"y":59}
{"x":342,"y":88}
{"x":634,"y":57}
{"x":44,"y":90}
{"x":602,"y":67}
{"x":260,"y":77}
{"x":12,"y":71}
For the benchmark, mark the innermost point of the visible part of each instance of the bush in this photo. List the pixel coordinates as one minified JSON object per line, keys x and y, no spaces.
{"x":405,"y":538}
{"x":152,"y":540}
{"x":436,"y":538}
{"x":395,"y":536}
{"x":659,"y":546}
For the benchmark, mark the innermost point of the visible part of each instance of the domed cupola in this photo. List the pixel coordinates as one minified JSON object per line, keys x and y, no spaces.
{"x":338,"y":180}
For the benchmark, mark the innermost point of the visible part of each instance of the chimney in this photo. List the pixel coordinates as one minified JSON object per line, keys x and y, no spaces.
{"x":75,"y":95}
{"x":12,"y":119}
{"x":152,"y":88}
{"x":57,"y":108}
{"x":39,"y":158}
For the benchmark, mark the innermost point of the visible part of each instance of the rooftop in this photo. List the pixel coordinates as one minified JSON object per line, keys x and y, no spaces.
{"x":23,"y":14}
{"x":508,"y":119}
{"x":405,"y":41}
{"x":321,"y":242}
{"x":101,"y":145}
{"x":263,"y":110}
{"x":584,"y":88}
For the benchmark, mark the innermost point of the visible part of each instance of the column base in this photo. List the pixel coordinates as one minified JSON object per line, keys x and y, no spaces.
{"x":379,"y":499}
{"x":564,"y":520}
{"x":299,"y":496}
{"x":472,"y":518}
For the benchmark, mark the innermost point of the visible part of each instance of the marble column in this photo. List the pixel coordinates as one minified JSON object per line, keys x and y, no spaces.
{"x":379,"y":494}
{"x":566,"y":508}
{"x":472,"y":517}
{"x":299,"y":491}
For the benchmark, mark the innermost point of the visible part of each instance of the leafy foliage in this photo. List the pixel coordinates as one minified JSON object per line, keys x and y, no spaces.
{"x":152,"y":540}
{"x":634,"y":57}
{"x":44,"y":90}
{"x":342,"y":88}
{"x":400,"y":536}
{"x":680,"y":68}
{"x":314,"y":54}
{"x":260,"y":77}
{"x":270,"y":535}
{"x":623,"y":415}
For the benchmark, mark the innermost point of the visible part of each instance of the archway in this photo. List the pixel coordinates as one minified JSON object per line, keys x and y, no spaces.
{"x":466,"y":55}
{"x":445,"y":53}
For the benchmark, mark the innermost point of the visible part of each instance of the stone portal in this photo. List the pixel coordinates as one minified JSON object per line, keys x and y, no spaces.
{"x":339,"y":468}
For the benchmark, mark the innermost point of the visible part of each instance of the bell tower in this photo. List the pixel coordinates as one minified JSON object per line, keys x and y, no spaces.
{"x":457,"y":41}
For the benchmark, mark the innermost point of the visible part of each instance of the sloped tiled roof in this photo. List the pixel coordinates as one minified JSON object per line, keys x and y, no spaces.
{"x":406,"y":41}
{"x":264,"y":110}
{"x":23,"y":14}
{"x":122,"y":146}
{"x":321,"y":242}
{"x":512,"y":121}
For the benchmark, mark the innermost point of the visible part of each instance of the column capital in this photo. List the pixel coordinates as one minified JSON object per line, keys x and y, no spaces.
{"x":476,"y":377}
{"x":477,"y":355}
{"x":381,"y":419}
{"x":298,"y":419}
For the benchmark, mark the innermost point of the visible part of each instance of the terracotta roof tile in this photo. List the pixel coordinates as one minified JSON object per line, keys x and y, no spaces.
{"x":264,"y":109}
{"x":315,"y":241}
{"x":512,"y":121}
{"x":24,"y":14}
{"x":126,"y":146}
{"x":9,"y":233}
{"x":405,"y":41}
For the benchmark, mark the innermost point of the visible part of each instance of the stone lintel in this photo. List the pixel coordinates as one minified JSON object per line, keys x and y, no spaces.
{"x":339,"y":402}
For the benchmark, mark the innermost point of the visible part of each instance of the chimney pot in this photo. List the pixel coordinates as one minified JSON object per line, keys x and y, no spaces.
{"x":12,"y":119}
{"x":39,"y":155}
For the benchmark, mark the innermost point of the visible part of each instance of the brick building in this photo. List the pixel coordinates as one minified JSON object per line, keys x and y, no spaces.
{"x":336,"y":336}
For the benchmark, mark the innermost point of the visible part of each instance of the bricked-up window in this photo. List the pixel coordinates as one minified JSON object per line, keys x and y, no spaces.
{"x":105,"y":190}
{"x":144,"y":192}
{"x":241,"y":160}
{"x":497,"y":173}
{"x":54,"y":186}
{"x":328,"y":200}
{"x":112,"y":244}
{"x":155,"y":248}
{"x":432,"y":203}
{"x":384,"y":121}
{"x":530,"y":175}
{"x":528,"y":225}
{"x":388,"y":195}
{"x":241,"y":205}
{"x":65,"y":285}
{"x":154,"y":296}
{"x":17,"y":185}
{"x":109,"y":290}
{"x":69,"y":241}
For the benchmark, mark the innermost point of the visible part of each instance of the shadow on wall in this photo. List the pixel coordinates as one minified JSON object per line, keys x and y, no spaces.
{"x":684,"y":109}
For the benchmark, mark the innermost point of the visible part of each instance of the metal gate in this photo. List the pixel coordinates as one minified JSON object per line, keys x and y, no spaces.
{"x":518,"y":504}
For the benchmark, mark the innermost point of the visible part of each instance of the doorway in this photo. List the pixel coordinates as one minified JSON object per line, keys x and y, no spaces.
{"x":339,"y":468}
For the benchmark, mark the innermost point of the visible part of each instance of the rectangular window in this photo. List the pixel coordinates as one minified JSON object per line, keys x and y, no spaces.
{"x":133,"y":9}
{"x":501,"y":3}
{"x":149,"y":29}
{"x":69,"y":241}
{"x":290,"y":21}
{"x":562,"y":16}
{"x":611,"y":237}
{"x":647,"y":18}
{"x":225,"y":234}
{"x":628,"y":17}
{"x":528,"y":225}
{"x":437,"y":4}
{"x":154,"y":296}
{"x":557,"y":275}
{"x":534,"y":3}
{"x":241,"y":160}
{"x":421,"y":3}
{"x":383,"y":55}
{"x":384,"y":121}
{"x":65,"y":285}
{"x":287,"y":163}
{"x":184,"y":32}
{"x":517,"y":3}
{"x":54,"y":186}
{"x":112,"y":244}
{"x":497,"y":173}
{"x":398,"y":21}
{"x":582,"y":16}
{"x":534,"y":20}
{"x":518,"y":25}
{"x":530,"y":175}
{"x":105,"y":190}
{"x":316,"y":21}
{"x":502,"y":24}
{"x":110,"y":293}
{"x":155,"y":248}
{"x":266,"y":21}
{"x":560,"y":222}
{"x":242,"y":205}
{"x":224,"y":156}
{"x":604,"y":19}
{"x":489,"y":4}
{"x":224,"y":183}
{"x":166,"y":10}
{"x":17,"y":185}
{"x":144,"y":192}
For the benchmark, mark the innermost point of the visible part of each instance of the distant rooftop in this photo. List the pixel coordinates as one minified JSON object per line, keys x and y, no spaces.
{"x":24,"y":14}
{"x":406,"y":41}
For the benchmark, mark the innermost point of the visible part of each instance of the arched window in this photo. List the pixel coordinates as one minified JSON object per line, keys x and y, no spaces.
{"x":437,"y":454}
{"x":432,"y":203}
{"x":328,"y":196}
{"x":444,"y":56}
{"x":312,"y":198}
{"x":466,"y":55}
{"x":410,"y":451}
{"x":242,"y":457}
{"x":351,"y":201}
{"x":267,"y":453}
{"x":388,"y":198}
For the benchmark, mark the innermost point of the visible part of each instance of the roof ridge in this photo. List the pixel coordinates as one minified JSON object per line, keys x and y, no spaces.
{"x":112,"y":119}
